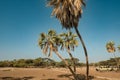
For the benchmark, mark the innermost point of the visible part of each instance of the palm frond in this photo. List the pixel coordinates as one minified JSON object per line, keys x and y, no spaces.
{"x":67,"y":12}
{"x":110,"y":47}
{"x":69,"y":40}
{"x":51,"y":33}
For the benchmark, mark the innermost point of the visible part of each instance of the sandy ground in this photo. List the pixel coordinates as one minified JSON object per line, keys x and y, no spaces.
{"x":110,"y":75}
{"x":52,"y":74}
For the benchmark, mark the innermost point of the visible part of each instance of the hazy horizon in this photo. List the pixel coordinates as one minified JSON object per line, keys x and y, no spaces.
{"x":21,"y":22}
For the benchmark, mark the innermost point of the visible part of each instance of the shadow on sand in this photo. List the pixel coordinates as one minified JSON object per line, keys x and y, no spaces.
{"x":69,"y":76}
{"x":16,"y":78}
{"x":80,"y":76}
{"x":49,"y":79}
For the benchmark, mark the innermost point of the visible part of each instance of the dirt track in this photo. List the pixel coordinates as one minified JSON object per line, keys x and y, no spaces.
{"x":51,"y":74}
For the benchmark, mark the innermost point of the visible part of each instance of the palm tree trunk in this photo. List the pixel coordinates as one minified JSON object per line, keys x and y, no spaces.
{"x":66,"y":63}
{"x":85,"y":51}
{"x":116,"y":59}
{"x":73,"y":61}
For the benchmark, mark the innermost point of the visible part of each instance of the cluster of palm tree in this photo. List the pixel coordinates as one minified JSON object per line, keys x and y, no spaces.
{"x":110,"y":46}
{"x":68,"y":12}
{"x":52,"y":42}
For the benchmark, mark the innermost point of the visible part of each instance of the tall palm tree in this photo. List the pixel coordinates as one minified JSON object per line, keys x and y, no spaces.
{"x":69,"y":42}
{"x":51,"y":41}
{"x":68,"y":13}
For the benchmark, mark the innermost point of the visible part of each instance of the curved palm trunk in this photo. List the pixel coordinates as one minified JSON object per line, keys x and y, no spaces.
{"x":66,"y":63}
{"x":85,"y":51}
{"x":72,"y":60}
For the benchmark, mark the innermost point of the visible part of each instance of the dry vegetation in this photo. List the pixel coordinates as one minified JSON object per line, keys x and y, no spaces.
{"x":52,"y":74}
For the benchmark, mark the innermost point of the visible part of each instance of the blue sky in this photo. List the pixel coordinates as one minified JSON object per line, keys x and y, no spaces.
{"x":21,"y":22}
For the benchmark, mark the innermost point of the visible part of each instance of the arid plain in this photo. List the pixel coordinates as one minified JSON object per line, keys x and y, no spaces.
{"x":53,"y":74}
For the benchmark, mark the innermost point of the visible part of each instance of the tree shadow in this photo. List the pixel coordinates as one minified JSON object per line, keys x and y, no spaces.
{"x":79,"y":76}
{"x":66,"y":76}
{"x":49,"y":79}
{"x":18,"y":78}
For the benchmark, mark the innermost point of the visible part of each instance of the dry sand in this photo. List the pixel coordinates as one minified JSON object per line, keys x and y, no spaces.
{"x":52,"y":74}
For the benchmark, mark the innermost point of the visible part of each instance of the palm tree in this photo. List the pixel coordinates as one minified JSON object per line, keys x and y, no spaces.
{"x":69,"y":42}
{"x":51,"y":41}
{"x":110,"y":46}
{"x":68,"y":13}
